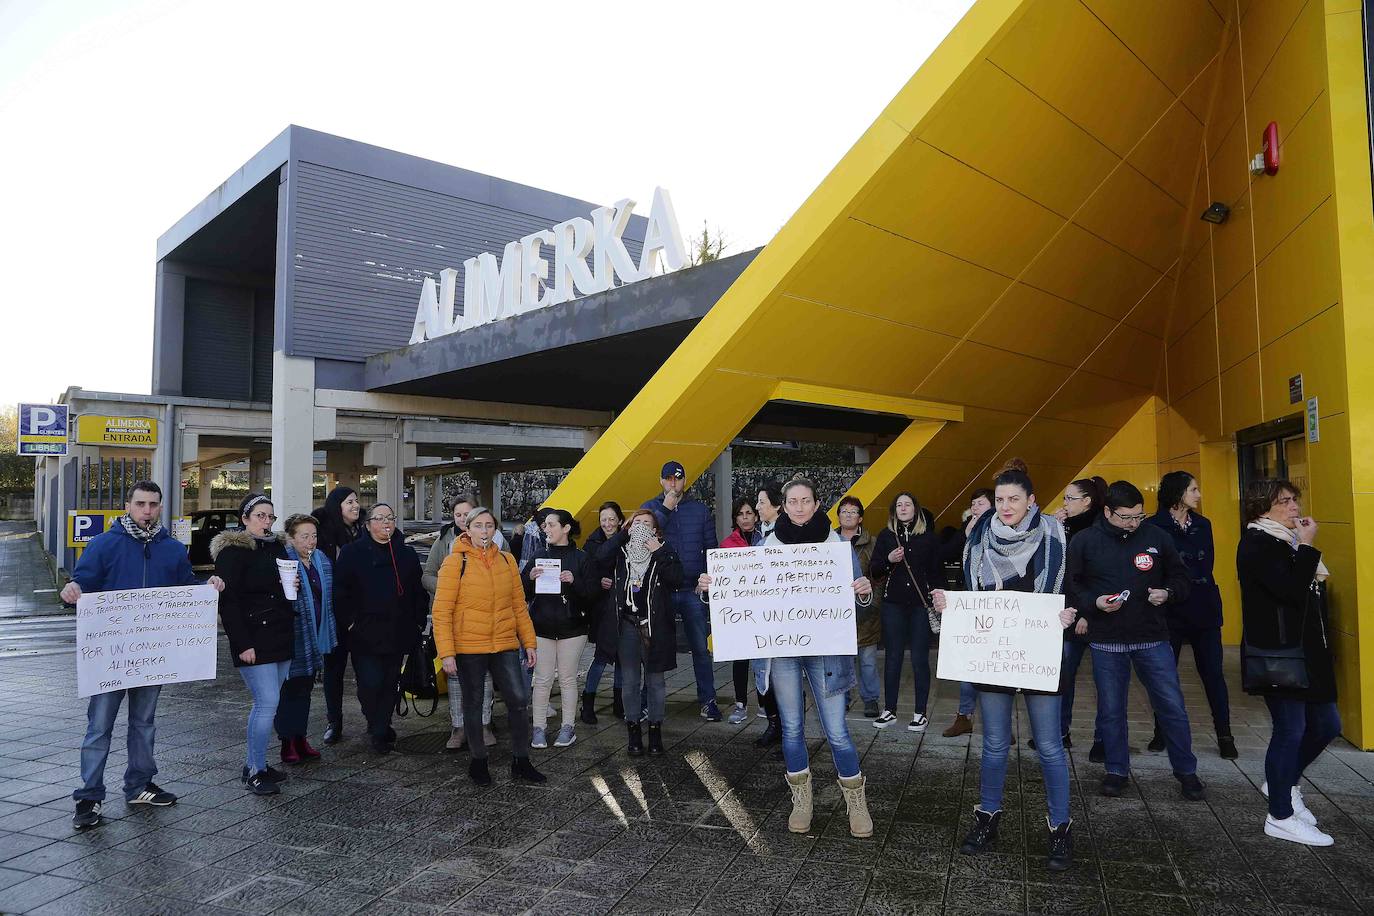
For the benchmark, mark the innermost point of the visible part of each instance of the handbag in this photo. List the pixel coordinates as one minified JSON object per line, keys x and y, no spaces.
{"x":418,"y":679}
{"x":1268,"y":669}
{"x":933,"y":617}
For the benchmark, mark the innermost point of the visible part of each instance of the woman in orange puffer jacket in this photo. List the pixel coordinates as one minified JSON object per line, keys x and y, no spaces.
{"x":480,"y":623}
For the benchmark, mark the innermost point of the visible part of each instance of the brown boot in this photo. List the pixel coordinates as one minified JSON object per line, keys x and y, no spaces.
{"x":961,"y":725}
{"x":800,"y":784}
{"x":860,"y":821}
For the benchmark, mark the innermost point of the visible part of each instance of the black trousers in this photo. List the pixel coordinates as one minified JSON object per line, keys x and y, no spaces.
{"x":379,"y":679}
{"x":335,"y":664}
{"x":509,"y":679}
{"x":743,"y":674}
{"x":293,"y":706}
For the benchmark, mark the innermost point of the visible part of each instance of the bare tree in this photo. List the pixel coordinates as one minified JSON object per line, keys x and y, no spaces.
{"x":706,"y":247}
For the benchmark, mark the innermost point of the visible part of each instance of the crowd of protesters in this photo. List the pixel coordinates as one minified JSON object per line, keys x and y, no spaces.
{"x":1137,"y":587}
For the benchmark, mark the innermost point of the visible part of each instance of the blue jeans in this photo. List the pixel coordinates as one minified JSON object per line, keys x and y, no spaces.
{"x":968,"y":698}
{"x":1156,"y":669}
{"x":868,"y":673}
{"x":1301,"y":732}
{"x":1208,"y":657}
{"x":787,"y":688}
{"x":95,"y":749}
{"x":644,"y":691}
{"x":1074,"y":651}
{"x":696,"y":621}
{"x":594,"y":672}
{"x":907,"y":627}
{"x":264,"y":681}
{"x":1043,"y":711}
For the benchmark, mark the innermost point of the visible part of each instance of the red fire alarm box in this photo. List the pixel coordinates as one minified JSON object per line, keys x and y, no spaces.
{"x":1267,"y":159}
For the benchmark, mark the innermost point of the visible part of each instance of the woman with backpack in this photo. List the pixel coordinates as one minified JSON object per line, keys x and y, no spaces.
{"x":560,"y":623}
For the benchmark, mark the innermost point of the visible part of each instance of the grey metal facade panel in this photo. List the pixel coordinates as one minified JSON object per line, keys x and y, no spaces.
{"x":362,"y":247}
{"x":218,"y":351}
{"x":262,"y":346}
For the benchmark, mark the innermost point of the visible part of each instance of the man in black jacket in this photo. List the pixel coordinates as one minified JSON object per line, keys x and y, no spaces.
{"x":1121,"y":574}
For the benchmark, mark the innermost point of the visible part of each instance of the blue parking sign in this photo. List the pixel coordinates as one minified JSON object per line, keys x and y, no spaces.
{"x":42,"y":429}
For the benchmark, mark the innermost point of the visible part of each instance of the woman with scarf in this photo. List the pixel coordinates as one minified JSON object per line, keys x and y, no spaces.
{"x":1018,"y":548}
{"x":640,"y":636}
{"x":316,"y":636}
{"x":260,"y":624}
{"x":868,"y":621}
{"x":746,"y":533}
{"x":381,"y":602}
{"x":907,"y":557}
{"x":339,"y":527}
{"x":1283,"y":604}
{"x":609,"y":519}
{"x":560,"y":624}
{"x":831,"y":677}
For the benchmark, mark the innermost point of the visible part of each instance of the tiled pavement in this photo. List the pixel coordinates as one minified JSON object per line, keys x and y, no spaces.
{"x":32,"y":619}
{"x":702,"y":830}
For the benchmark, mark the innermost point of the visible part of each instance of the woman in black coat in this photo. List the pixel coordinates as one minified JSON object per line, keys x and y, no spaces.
{"x":1196,"y":620}
{"x":261,"y":625}
{"x":908,"y":557}
{"x":339,"y":527}
{"x":609,"y":520}
{"x":1283,"y":605}
{"x":640,"y":635}
{"x":381,"y":603}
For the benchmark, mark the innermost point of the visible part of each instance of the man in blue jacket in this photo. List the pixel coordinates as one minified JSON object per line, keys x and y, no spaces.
{"x":137,"y":552}
{"x":689,"y":526}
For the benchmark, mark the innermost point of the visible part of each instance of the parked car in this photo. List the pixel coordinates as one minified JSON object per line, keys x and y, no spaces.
{"x":204,"y":526}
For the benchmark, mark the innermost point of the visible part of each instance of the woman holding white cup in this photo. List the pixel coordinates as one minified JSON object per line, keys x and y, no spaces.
{"x":260,"y":622}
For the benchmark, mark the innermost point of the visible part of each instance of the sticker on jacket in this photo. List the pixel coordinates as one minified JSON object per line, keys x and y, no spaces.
{"x":1144,"y":562}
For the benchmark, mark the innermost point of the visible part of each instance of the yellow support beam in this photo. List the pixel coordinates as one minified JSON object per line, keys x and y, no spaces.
{"x":879,"y":483}
{"x":867,"y":401}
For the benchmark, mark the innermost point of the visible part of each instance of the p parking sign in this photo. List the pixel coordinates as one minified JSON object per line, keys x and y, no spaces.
{"x":85,"y":525}
{"x":42,"y":429}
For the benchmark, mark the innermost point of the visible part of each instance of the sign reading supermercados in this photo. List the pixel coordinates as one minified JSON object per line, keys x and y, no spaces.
{"x":145,"y":636}
{"x":124,"y":432}
{"x":520,"y":281}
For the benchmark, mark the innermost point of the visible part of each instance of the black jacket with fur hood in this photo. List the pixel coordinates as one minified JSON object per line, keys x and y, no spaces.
{"x":253,"y":607}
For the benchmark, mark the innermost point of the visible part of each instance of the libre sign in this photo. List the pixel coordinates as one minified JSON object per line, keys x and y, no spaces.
{"x":520,"y":281}
{"x":42,"y":429}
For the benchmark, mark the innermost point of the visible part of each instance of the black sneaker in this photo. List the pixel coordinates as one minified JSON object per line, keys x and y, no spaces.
{"x":983,"y":832}
{"x":381,"y":746}
{"x":1191,"y":787}
{"x":1113,"y":785}
{"x":333,"y":734}
{"x":152,"y":795}
{"x":1096,"y":754}
{"x":275,"y":776}
{"x":87,"y":815}
{"x":1061,"y":847}
{"x":1156,"y":742}
{"x":1068,"y":742}
{"x":771,"y":735}
{"x":260,"y":784}
{"x":1226,"y":746}
{"x":479,"y":771}
{"x":521,"y":768}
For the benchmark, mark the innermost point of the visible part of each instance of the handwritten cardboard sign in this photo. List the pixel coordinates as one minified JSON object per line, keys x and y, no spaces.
{"x":145,"y":636}
{"x":781,"y":601}
{"x":1007,"y":639}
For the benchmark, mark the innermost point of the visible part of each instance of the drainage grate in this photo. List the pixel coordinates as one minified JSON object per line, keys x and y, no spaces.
{"x":423,"y":743}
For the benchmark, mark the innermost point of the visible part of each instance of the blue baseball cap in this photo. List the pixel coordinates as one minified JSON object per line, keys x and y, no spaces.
{"x":672,"y":469}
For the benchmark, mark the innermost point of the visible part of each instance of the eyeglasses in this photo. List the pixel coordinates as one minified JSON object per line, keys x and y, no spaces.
{"x":1130,"y":519}
{"x":263,"y":518}
{"x":384,"y":519}
{"x":849,"y":512}
{"x":1068,"y":498}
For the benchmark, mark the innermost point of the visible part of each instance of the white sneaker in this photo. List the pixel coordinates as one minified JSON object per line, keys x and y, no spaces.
{"x":918,"y":723}
{"x":1295,"y":831}
{"x":1300,"y":809}
{"x":886,"y":719}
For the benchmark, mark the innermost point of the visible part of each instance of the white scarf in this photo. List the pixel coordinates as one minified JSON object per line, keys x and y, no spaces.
{"x":1289,"y":536}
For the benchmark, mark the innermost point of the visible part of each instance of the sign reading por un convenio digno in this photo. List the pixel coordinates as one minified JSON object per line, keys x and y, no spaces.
{"x":520,"y":282}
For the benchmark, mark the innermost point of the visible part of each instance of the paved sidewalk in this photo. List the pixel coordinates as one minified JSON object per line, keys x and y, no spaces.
{"x":32,"y":618}
{"x":702,"y":830}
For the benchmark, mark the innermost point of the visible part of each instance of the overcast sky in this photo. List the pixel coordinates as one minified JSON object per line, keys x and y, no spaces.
{"x":117,"y":117}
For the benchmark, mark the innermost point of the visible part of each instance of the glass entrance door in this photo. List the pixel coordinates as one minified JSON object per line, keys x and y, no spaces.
{"x":1277,"y":449}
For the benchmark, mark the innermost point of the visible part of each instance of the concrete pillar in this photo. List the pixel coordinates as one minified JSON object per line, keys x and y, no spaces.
{"x":345,"y":466}
{"x":724,"y":469}
{"x":293,"y":433}
{"x":489,"y":490}
{"x":259,"y":471}
{"x":205,"y":475}
{"x":391,"y":457}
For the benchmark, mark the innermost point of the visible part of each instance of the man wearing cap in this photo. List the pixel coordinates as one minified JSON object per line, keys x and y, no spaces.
{"x":689,"y":526}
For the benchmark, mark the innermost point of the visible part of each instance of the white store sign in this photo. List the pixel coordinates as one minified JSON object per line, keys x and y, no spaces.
{"x":520,"y":281}
{"x":782,"y":601}
{"x":1006,"y":639}
{"x":145,"y":636}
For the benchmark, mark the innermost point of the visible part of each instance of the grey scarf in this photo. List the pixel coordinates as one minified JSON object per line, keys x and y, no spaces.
{"x":637,"y":552}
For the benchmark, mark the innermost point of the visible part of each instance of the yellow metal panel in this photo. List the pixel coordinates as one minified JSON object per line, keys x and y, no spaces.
{"x":899,"y":280}
{"x":1175,"y":38}
{"x":1193,"y":358}
{"x":1301,"y":277}
{"x":1315,"y":350}
{"x":1128,"y":355}
{"x":1042,"y":326}
{"x":1068,"y":163}
{"x":1226,"y":109}
{"x":1293,"y":78}
{"x":1194,"y":296}
{"x":1083,"y":268}
{"x":1135,"y":215}
{"x":1045,"y":442}
{"x":1353,"y":692}
{"x":1089,"y":398}
{"x":879,"y":483}
{"x":1004,"y":380}
{"x":1262,"y":30}
{"x":929,"y":197}
{"x":1198,"y":95}
{"x":1170,"y":153}
{"x":1195,"y":416}
{"x":1229,"y":166}
{"x":1240,"y":395}
{"x":1307,"y":179}
{"x":1101,"y":85}
{"x":1151,"y":313}
{"x":1218,"y":476}
{"x":1329,"y":495}
{"x":865,"y":401}
{"x":1237,"y":324}
{"x":1233,"y":253}
{"x":981,"y":434}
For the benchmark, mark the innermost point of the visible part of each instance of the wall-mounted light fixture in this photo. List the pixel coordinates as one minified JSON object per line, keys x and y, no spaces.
{"x":1216,"y":214}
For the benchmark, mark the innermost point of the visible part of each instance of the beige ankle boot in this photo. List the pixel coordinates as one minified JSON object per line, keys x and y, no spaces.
{"x":860,"y":822}
{"x":800,"y":784}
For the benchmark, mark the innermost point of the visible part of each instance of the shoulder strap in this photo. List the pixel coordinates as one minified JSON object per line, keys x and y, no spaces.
{"x":462,"y":567}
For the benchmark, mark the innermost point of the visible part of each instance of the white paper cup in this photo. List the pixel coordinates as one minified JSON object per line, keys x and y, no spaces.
{"x":288,"y":570}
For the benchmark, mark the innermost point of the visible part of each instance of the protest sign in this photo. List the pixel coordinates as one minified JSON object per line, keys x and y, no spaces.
{"x":548,"y":582}
{"x":784,"y":600}
{"x":145,"y":636}
{"x":1007,"y":639}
